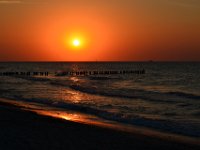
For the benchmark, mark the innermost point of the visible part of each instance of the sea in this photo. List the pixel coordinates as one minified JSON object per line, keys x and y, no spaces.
{"x":165,"y":98}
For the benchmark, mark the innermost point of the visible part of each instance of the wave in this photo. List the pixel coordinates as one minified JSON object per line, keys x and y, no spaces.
{"x":167,"y":97}
{"x":89,"y":88}
{"x":188,"y":129}
{"x":103,"y":78}
{"x":33,"y":78}
{"x":185,"y":95}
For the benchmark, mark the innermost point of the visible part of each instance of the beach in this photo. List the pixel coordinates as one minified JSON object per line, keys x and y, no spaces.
{"x":22,"y":129}
{"x":99,"y":75}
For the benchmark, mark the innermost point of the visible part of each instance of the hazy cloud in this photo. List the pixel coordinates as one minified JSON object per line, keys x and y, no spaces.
{"x":10,"y":2}
{"x":22,"y":2}
{"x":186,"y":3}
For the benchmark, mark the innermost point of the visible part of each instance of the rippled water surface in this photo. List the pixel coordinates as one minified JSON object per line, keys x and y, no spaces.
{"x":166,"y":97}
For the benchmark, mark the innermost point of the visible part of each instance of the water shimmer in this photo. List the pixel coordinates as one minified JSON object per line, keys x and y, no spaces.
{"x":165,"y":98}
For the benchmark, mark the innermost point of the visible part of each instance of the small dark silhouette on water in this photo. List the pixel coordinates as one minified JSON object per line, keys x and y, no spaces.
{"x":74,"y":73}
{"x":24,"y":73}
{"x":86,"y":73}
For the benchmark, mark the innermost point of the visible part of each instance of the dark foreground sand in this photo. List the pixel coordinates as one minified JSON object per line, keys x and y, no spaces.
{"x":20,"y":129}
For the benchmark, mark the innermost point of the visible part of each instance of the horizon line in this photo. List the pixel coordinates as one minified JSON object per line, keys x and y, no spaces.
{"x":152,"y":61}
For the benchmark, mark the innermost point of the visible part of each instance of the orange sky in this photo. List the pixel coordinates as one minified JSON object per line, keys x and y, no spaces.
{"x":111,"y":30}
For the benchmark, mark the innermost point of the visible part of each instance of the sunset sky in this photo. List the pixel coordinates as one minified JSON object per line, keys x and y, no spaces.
{"x":99,"y":30}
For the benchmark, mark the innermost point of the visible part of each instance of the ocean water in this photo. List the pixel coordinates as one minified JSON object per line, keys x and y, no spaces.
{"x":165,"y":98}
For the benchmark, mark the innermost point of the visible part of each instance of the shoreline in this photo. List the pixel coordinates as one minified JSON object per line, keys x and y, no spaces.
{"x":26,"y":129}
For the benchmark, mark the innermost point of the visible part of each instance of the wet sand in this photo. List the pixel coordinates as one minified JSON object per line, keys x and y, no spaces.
{"x":20,"y":129}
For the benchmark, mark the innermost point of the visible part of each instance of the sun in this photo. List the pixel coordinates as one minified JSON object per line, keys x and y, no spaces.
{"x":76,"y":42}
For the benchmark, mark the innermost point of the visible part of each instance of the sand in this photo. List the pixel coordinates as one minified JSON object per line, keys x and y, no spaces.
{"x":20,"y":129}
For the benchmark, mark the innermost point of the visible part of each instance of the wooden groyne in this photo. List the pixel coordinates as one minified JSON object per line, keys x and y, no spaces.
{"x":87,"y":73}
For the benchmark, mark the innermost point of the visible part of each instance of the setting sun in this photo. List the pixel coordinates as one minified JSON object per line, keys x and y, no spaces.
{"x":76,"y":42}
